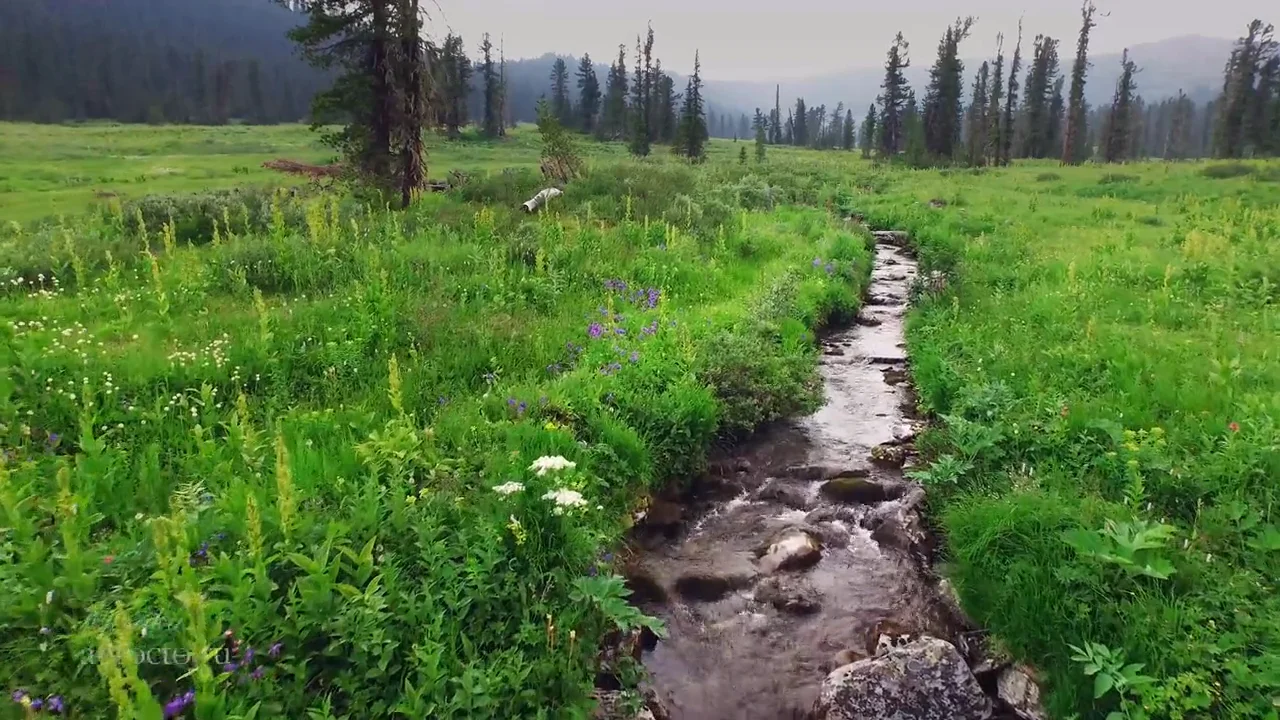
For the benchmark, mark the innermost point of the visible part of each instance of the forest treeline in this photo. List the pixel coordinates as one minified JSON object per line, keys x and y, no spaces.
{"x":152,"y":61}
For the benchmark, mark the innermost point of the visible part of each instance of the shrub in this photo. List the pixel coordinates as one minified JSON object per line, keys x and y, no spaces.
{"x":1222,"y":171}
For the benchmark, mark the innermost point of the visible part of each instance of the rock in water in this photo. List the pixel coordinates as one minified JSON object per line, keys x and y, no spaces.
{"x":795,"y":550}
{"x":925,"y":680}
{"x":789,"y":596}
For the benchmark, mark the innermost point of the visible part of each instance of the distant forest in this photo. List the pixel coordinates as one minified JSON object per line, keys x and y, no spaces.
{"x":218,"y":61}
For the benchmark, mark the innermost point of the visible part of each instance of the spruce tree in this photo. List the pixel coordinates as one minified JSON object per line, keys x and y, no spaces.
{"x":868,"y":139}
{"x":691,"y":137}
{"x":492,"y":121}
{"x":614,"y":121}
{"x":977,"y":118}
{"x":1057,"y":111}
{"x":1259,"y":126}
{"x":800,"y":128}
{"x":893,"y":98}
{"x":560,"y":105}
{"x":849,"y":134}
{"x":588,"y":95}
{"x":1115,"y":141}
{"x":775,"y":120}
{"x":666,"y":123}
{"x":640,"y":93}
{"x":916,"y":153}
{"x":1238,"y":92}
{"x":759,"y":124}
{"x":995,"y":93}
{"x":1010,"y":103}
{"x":413,"y":118}
{"x":1074,"y":140}
{"x":1036,"y":99}
{"x":944,"y":96}
{"x":453,"y":85}
{"x":742,"y":155}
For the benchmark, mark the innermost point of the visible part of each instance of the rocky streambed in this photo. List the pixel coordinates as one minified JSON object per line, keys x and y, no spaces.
{"x":795,"y":581}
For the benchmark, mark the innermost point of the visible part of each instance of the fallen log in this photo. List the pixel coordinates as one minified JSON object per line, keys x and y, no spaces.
{"x":542,"y":198}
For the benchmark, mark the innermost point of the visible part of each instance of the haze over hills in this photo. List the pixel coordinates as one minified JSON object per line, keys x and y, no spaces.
{"x":212,"y":60}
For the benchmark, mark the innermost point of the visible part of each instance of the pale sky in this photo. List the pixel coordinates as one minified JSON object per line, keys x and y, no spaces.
{"x":780,"y":39}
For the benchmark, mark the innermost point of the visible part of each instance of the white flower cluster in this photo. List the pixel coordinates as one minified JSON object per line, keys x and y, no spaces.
{"x":508,"y":488}
{"x":549,"y":463}
{"x":565,"y":499}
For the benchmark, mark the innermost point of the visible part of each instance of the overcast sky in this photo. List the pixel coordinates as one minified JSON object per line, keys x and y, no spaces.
{"x":779,"y":39}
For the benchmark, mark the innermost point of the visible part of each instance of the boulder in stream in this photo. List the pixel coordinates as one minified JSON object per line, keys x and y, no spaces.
{"x":792,"y":550}
{"x":858,"y":491}
{"x":924,"y":680}
{"x":1017,"y":688}
{"x":789,"y":595}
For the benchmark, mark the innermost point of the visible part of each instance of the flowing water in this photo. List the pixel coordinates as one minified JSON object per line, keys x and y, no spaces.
{"x":767,"y":580}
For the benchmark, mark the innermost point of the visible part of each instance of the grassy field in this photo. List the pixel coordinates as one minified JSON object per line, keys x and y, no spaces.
{"x":333,"y":431}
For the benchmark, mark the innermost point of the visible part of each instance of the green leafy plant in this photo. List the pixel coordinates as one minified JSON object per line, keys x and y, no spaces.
{"x":1135,"y":547}
{"x":1112,"y":674}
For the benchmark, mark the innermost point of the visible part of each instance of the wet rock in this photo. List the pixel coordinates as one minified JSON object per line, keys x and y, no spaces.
{"x":845,"y":657}
{"x":833,"y":352}
{"x":664,"y":513}
{"x":618,"y":705}
{"x":784,"y":494}
{"x":644,"y":587}
{"x":897,"y":238}
{"x":904,"y":434}
{"x":869,"y":320}
{"x":716,"y":577}
{"x":789,"y":595}
{"x":896,"y":376}
{"x":793,"y":550}
{"x":742,"y":465}
{"x":828,"y":472}
{"x":838,"y":513}
{"x":1018,"y":688}
{"x":892,"y":456}
{"x":856,"y":491}
{"x":886,"y":635}
{"x":924,"y":680}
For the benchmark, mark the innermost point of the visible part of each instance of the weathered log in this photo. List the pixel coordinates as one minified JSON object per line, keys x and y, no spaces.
{"x":542,"y":198}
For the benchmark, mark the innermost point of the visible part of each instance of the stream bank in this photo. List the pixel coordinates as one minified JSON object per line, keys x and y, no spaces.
{"x":795,"y":581}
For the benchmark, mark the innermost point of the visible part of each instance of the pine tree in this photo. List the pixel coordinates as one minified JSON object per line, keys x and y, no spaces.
{"x":1057,"y":112}
{"x":800,"y":126}
{"x":614,"y":125}
{"x":995,"y":93}
{"x":1238,"y":92}
{"x":409,"y":65}
{"x":453,"y":85}
{"x":665,"y":122}
{"x":1036,"y":98}
{"x":1259,"y":127}
{"x":1119,"y":121}
{"x":692,"y":135}
{"x":640,"y":90}
{"x":588,"y":95}
{"x":759,"y":124}
{"x":491,"y":125}
{"x":916,"y":153}
{"x":849,"y":134}
{"x":944,"y":96}
{"x":504,"y":117}
{"x":1010,"y":103}
{"x":1073,"y":151}
{"x":977,"y":119}
{"x":868,"y":139}
{"x":560,"y":105}
{"x":742,"y":155}
{"x":893,"y":98}
{"x":744,"y":126}
{"x":775,"y":120}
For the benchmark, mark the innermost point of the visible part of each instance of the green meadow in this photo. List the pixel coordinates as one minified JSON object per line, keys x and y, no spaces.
{"x":394,"y":452}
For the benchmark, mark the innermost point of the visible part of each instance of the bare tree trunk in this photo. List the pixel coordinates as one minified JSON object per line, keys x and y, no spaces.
{"x":413,"y":170}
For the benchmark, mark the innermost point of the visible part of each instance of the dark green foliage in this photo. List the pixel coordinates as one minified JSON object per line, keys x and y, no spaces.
{"x":1010,"y":104}
{"x":588,"y":95}
{"x":867,"y":141}
{"x":1251,"y":57}
{"x":976,"y":121}
{"x":760,"y":124}
{"x":893,"y":99}
{"x":453,"y":85}
{"x":642,"y":97}
{"x":665,"y":123}
{"x":995,"y":93}
{"x":1220,"y":171}
{"x":491,"y":122}
{"x":1117,"y":136}
{"x":1038,"y":97}
{"x":800,"y":124}
{"x":613,"y":124}
{"x":560,"y":104}
{"x":944,"y":97}
{"x":1073,"y":146}
{"x":847,"y":140}
{"x":692,"y":134}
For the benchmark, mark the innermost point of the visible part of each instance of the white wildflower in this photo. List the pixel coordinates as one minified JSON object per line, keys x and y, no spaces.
{"x":548,"y":463}
{"x":48,"y":598}
{"x":565,"y":498}
{"x":508,"y":488}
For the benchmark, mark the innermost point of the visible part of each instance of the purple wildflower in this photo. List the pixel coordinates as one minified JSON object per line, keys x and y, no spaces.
{"x":258,"y":672}
{"x":248,"y":656}
{"x":607,"y":557}
{"x":274,"y":650}
{"x":591,"y":571}
{"x":178,"y":705}
{"x":52,"y":441}
{"x":621,"y":331}
{"x":37,"y":704}
{"x":830,"y":268}
{"x":230,"y":667}
{"x":220,"y":536}
{"x":635,"y":356}
{"x":654,"y":296}
{"x":442,"y":400}
{"x":595,"y":330}
{"x":520,"y":409}
{"x":511,"y":402}
{"x":19,"y":695}
{"x":817,"y":262}
{"x":603,"y":311}
{"x":54,"y":704}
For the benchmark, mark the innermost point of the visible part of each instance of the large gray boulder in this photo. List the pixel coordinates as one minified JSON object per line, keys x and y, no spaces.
{"x":924,"y":680}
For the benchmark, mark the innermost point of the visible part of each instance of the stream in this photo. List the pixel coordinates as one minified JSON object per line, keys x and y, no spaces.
{"x":802,"y":551}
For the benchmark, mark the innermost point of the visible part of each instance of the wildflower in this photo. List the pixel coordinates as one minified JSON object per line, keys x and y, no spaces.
{"x":595,"y":330}
{"x":565,"y":498}
{"x":621,"y":331}
{"x":548,"y":463}
{"x":48,"y":598}
{"x":542,"y":401}
{"x":108,"y":559}
{"x":508,"y":488}
{"x":274,"y":651}
{"x":46,"y":630}
{"x":230,"y":668}
{"x":817,"y":262}
{"x":1065,"y":411}
{"x":37,"y":704}
{"x":442,"y":400}
{"x":54,"y":704}
{"x":511,"y":402}
{"x":635,"y":356}
{"x":19,"y":695}
{"x":520,"y":408}
{"x":654,"y":296}
{"x":1234,"y":427}
{"x":517,"y":530}
{"x":258,"y":672}
{"x":248,"y":656}
{"x":829,"y":268}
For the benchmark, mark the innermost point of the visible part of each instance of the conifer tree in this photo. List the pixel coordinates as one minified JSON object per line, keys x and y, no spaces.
{"x":916,"y":153}
{"x":775,"y":120}
{"x":588,"y":95}
{"x":1119,"y":121}
{"x":1074,"y":139}
{"x":995,"y":93}
{"x":868,"y":139}
{"x":692,"y":135}
{"x":1178,"y":143}
{"x":800,"y":126}
{"x":1057,"y":111}
{"x":492,"y":121}
{"x":665,"y":123}
{"x":977,"y":119}
{"x":849,"y":135}
{"x":560,"y":105}
{"x":759,"y":123}
{"x":893,"y":98}
{"x":1238,"y":92}
{"x":453,"y":85}
{"x":1036,"y":99}
{"x":742,"y":155}
{"x":614,"y":121}
{"x":1010,"y":102}
{"x":944,"y":96}
{"x":412,"y":121}
{"x":641,"y":95}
